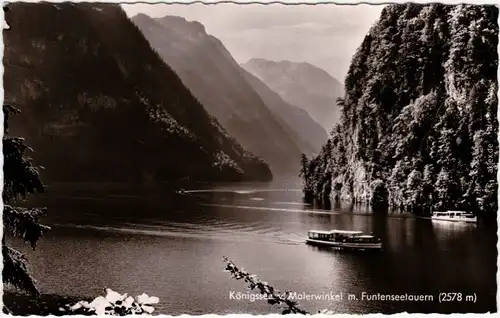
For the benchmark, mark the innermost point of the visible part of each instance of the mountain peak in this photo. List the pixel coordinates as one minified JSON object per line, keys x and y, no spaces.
{"x":303,"y":66}
{"x":141,"y":16}
{"x":180,"y":23}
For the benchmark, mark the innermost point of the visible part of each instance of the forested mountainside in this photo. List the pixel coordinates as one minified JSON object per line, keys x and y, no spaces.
{"x":419,"y":116}
{"x":218,"y":82}
{"x":303,"y":85}
{"x":98,"y":104}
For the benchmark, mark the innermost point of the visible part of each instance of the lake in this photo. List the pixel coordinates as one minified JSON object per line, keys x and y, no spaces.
{"x":171,"y":246}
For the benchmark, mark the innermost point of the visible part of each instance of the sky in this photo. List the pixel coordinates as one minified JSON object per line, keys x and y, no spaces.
{"x":324,"y":35}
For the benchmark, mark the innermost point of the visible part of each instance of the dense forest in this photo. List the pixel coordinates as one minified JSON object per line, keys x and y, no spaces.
{"x":419,"y":125}
{"x":100,"y":105}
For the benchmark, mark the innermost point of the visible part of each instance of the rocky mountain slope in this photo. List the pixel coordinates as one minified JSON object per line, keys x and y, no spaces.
{"x":303,"y":85}
{"x":419,"y":116}
{"x":100,"y":105}
{"x":221,"y":85}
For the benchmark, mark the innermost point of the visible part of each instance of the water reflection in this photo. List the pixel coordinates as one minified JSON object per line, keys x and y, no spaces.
{"x":153,"y":242}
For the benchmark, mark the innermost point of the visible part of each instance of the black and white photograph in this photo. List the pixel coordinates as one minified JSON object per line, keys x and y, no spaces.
{"x":222,"y":158}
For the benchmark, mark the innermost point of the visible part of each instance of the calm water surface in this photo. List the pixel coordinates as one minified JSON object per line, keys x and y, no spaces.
{"x":171,"y":247}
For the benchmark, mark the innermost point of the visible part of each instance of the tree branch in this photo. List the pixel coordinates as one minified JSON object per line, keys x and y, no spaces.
{"x":24,"y":223}
{"x":273,"y":295}
{"x":15,"y":272}
{"x":20,"y":176}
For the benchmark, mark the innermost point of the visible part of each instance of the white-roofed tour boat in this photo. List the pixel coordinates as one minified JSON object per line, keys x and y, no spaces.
{"x":352,"y":240}
{"x":454,"y":216}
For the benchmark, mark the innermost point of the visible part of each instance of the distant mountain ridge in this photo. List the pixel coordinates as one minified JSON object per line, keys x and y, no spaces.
{"x":100,"y":105}
{"x":310,"y":137}
{"x":302,"y":84}
{"x":222,"y":86}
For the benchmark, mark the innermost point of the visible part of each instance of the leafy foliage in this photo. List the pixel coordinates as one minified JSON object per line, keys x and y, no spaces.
{"x":419,"y":115}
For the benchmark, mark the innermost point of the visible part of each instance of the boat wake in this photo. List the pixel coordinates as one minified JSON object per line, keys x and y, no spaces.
{"x":257,"y":199}
{"x":246,"y":207}
{"x":293,"y":203}
{"x":225,"y":232}
{"x":240,"y":191}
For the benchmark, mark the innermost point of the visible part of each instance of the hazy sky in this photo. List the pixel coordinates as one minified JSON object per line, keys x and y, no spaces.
{"x":323,"y":35}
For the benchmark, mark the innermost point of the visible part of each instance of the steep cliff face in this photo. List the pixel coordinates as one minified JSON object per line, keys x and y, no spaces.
{"x":303,"y":85}
{"x":419,"y":116}
{"x":99,"y":104}
{"x":220,"y":84}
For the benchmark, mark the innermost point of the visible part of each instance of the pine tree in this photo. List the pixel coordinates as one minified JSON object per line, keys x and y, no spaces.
{"x":305,"y":175}
{"x":304,"y":166}
{"x":21,"y":178}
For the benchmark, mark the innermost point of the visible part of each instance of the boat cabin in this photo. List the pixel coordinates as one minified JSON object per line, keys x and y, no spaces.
{"x":367,"y":239}
{"x":453,"y":214}
{"x":344,"y":239}
{"x":333,"y":235}
{"x":319,"y":235}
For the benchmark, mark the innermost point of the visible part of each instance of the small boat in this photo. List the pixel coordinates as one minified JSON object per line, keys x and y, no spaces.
{"x":352,"y":240}
{"x":454,"y":216}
